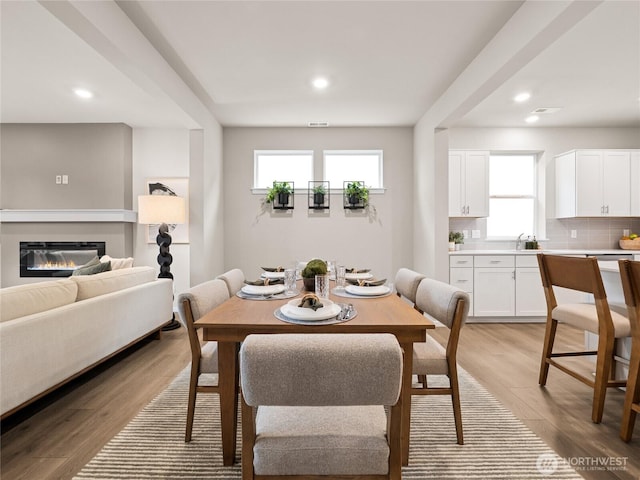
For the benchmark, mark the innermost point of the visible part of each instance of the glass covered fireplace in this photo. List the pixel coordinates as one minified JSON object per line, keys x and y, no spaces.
{"x":56,"y":259}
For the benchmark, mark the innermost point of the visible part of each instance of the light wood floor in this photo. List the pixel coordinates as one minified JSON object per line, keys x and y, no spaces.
{"x":59,"y":436}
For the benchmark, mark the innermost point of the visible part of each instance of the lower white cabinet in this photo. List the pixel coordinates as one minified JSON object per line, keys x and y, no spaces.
{"x":494,"y":292}
{"x":500,"y":285}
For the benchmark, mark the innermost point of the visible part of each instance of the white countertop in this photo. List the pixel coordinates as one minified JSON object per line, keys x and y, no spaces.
{"x":611,"y":251}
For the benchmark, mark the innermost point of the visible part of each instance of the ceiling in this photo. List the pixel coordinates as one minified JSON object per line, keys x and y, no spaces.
{"x":250,"y":63}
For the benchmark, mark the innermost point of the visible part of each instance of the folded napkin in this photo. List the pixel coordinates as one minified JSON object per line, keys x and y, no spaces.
{"x":371,"y":282}
{"x":310,"y":301}
{"x":273,"y":269}
{"x":357,"y":270}
{"x":265,"y":281}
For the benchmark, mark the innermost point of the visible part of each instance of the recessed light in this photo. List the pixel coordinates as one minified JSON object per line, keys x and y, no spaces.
{"x":320,"y":83}
{"x":532,"y":119}
{"x":522,"y":97}
{"x":82,"y":93}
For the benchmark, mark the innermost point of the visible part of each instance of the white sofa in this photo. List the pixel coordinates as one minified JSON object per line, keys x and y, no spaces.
{"x":52,"y":331}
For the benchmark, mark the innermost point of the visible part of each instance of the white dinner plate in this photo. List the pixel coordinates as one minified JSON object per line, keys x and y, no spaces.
{"x":328,"y":310}
{"x":367,"y":291}
{"x":358,"y":276}
{"x":262,"y":289}
{"x":272,"y":275}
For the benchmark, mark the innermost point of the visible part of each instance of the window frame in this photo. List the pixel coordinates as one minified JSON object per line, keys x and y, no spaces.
{"x":280,"y":152}
{"x":374,"y":151}
{"x":539,"y":210}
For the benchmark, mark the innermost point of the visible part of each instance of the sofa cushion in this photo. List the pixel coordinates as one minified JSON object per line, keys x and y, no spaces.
{"x":117,"y":263}
{"x":92,"y":269}
{"x":23,"y":300}
{"x":93,"y":285}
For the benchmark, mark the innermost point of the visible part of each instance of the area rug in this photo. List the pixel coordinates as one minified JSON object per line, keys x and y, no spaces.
{"x":497,"y":445}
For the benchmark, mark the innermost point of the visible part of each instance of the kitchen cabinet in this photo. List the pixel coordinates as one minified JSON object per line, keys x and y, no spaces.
{"x":530,"y":299}
{"x":461,"y":275}
{"x":468,"y":183}
{"x":494,"y":291}
{"x":593,"y":183}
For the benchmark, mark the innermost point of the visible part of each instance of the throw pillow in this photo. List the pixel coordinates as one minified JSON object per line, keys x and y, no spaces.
{"x":93,"y":269}
{"x":117,"y":263}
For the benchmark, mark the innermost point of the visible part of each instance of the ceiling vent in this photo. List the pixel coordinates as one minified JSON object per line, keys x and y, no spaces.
{"x":318,"y":124}
{"x":544,"y":110}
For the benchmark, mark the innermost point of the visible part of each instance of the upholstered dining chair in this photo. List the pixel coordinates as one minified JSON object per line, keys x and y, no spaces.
{"x":630,"y":276}
{"x":314,"y":405}
{"x":234,"y":279}
{"x":450,"y":306}
{"x":581,"y":274}
{"x":406,"y":284}
{"x":193,"y":304}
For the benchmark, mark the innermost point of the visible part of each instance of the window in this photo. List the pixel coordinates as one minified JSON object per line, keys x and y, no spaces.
{"x":346,"y":165}
{"x":282,"y":165}
{"x":512,"y":195}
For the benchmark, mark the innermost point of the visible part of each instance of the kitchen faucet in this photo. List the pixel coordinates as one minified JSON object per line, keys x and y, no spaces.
{"x":519,"y":242}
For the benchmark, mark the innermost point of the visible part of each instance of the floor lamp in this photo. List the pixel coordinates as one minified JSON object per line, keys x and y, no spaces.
{"x":162,"y":210}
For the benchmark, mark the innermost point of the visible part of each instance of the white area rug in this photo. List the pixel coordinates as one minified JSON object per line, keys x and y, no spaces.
{"x":497,"y":445}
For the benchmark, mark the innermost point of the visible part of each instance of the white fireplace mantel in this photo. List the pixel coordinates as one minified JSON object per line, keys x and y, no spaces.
{"x":63,"y":216}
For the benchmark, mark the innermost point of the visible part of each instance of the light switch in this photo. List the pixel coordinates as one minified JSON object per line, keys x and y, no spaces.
{"x":574,"y":234}
{"x":625,"y":232}
{"x":58,"y":179}
{"x":65,"y":179}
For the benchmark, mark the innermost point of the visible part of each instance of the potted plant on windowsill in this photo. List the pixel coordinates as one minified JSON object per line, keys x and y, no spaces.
{"x":356,"y":194}
{"x":279,"y":194}
{"x":313,"y":268}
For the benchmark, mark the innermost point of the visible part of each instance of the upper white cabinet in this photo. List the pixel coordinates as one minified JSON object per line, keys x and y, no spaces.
{"x":468,"y":183}
{"x":593,"y":183}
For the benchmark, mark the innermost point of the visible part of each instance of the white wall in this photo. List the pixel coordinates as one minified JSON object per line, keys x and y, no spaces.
{"x":160,"y":153}
{"x":253,"y":239}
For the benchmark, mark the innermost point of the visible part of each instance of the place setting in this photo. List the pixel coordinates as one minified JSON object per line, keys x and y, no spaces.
{"x":313,"y":310}
{"x":359,"y":283}
{"x":274,"y":284}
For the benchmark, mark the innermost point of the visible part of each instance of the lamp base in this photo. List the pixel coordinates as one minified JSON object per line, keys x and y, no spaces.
{"x":172,"y":325}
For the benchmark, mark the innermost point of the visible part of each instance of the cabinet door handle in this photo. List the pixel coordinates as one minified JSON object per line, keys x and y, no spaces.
{"x":467,"y":209}
{"x":494,"y":261}
{"x":513,"y":275}
{"x":607,"y":209}
{"x":462,"y":281}
{"x":462,"y":210}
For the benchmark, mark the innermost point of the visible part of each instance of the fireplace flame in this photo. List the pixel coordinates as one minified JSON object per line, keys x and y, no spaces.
{"x":70,"y":265}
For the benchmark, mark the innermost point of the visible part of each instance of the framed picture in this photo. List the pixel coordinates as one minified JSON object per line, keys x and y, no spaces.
{"x":170,"y":186}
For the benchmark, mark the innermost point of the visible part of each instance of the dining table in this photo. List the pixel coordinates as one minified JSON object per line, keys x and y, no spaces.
{"x":232,"y":321}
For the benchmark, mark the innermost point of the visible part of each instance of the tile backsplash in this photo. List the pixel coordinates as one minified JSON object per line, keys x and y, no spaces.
{"x":591,"y":233}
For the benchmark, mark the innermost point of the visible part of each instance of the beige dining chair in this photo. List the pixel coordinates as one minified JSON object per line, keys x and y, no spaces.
{"x":406,"y":283}
{"x":630,"y":276}
{"x":234,"y":279}
{"x":581,"y":274}
{"x":450,"y":306}
{"x":313,"y":405}
{"x":192,"y":305}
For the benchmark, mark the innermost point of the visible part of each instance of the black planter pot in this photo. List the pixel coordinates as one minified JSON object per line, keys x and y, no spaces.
{"x":354,"y":199}
{"x":318,"y":199}
{"x":283,"y":199}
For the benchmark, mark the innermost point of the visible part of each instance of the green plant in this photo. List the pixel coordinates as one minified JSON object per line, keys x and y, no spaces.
{"x":357,"y":191}
{"x":319,"y":189}
{"x":278,"y":188}
{"x":314,"y":267}
{"x":456,"y":237}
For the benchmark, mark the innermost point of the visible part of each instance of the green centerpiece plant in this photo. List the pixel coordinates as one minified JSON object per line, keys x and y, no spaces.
{"x":279,"y":193}
{"x":313,"y":268}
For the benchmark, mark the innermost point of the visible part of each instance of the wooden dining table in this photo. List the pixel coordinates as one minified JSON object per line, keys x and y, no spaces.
{"x":230,"y":323}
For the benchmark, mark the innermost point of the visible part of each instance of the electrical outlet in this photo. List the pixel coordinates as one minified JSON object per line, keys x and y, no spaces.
{"x":625,"y":232}
{"x":574,"y":234}
{"x":475,"y":233}
{"x":65,"y":179}
{"x":58,"y":179}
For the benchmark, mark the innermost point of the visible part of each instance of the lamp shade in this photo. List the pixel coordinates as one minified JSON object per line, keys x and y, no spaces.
{"x":158,"y":209}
